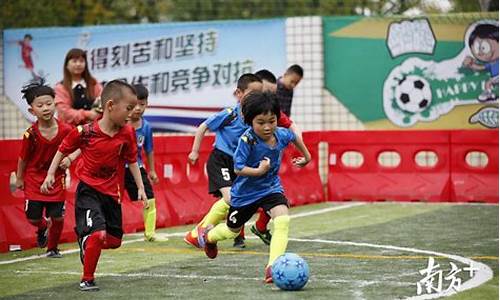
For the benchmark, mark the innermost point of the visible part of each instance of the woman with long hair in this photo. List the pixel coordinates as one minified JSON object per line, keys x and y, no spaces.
{"x":76,"y":94}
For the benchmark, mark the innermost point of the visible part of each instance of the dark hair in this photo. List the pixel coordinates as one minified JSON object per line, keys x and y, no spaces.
{"x":257,"y":103}
{"x":245,"y":80}
{"x":295,"y":69}
{"x":36,"y":89}
{"x":141,"y":91}
{"x":484,"y":31}
{"x":28,"y":36}
{"x":114,"y":90}
{"x":266,"y":75}
{"x":89,"y":80}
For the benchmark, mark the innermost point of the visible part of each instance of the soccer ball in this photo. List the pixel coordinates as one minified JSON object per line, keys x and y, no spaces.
{"x":413,"y":94}
{"x":290,"y":272}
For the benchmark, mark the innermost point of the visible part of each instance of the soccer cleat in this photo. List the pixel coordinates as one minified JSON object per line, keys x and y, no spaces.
{"x":81,"y":244}
{"x":190,"y":240}
{"x":211,"y":250}
{"x":149,"y":239}
{"x":42,"y":237}
{"x":239,"y":242}
{"x":54,"y":253}
{"x":268,"y":275}
{"x":88,"y":285}
{"x":264,"y":236}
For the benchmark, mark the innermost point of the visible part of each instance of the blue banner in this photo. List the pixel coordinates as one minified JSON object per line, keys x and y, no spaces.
{"x":190,"y":69}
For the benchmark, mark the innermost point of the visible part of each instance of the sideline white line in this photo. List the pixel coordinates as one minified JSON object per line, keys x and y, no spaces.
{"x":484,"y":273}
{"x":177,"y":234}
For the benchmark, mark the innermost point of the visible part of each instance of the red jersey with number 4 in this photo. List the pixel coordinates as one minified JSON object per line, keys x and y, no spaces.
{"x":38,"y":152}
{"x":102,"y":162}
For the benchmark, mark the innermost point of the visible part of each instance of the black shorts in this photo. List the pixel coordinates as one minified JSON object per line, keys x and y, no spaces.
{"x":237,"y":217}
{"x":96,"y":211}
{"x":34,"y":209}
{"x":131,"y":187}
{"x":220,"y":171}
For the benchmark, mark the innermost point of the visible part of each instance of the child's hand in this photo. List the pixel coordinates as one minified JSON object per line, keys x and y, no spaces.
{"x":65,"y":163}
{"x":47,"y":184}
{"x":142,"y":196}
{"x":468,"y":61}
{"x":300,"y":161}
{"x":264,"y":165}
{"x":153,"y":177}
{"x":20,"y":183}
{"x":193,"y":157}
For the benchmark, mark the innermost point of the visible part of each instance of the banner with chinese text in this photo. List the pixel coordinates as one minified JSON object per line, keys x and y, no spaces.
{"x":190,"y":69}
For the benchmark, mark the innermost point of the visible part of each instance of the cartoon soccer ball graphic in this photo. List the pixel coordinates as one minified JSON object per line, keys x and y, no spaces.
{"x":413,"y":94}
{"x":290,"y":272}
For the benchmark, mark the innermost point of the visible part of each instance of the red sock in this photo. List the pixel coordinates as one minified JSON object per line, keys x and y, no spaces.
{"x":262,"y":220}
{"x":41,"y":224}
{"x":242,"y":232}
{"x":55,"y":233}
{"x":111,"y":242}
{"x":93,"y":247}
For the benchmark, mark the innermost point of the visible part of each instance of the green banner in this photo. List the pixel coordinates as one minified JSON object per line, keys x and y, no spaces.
{"x":438,"y":72}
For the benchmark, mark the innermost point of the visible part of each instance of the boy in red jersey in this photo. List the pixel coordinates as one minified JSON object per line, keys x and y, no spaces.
{"x":40,"y":143}
{"x":106,"y":145}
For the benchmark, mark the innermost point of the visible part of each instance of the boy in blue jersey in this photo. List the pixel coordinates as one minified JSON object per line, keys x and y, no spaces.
{"x":144,"y":136}
{"x":228,"y":126}
{"x":257,"y":160}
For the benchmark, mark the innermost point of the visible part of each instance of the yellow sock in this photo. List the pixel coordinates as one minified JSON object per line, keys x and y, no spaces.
{"x":150,"y":219}
{"x":221,"y":232}
{"x":280,"y":238}
{"x":217,"y":213}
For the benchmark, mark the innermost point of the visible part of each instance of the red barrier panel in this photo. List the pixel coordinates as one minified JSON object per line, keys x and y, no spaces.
{"x":302,"y":185}
{"x":469,"y":182}
{"x":373,"y":182}
{"x":183,"y":187}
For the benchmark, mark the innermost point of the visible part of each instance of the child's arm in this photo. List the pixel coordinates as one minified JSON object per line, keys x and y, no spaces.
{"x":299,"y":143}
{"x":136,"y":173}
{"x":262,"y":169}
{"x":151,"y":163}
{"x":198,"y":137}
{"x":50,"y":178}
{"x":470,"y":63}
{"x":21,"y":166}
{"x":66,"y":161}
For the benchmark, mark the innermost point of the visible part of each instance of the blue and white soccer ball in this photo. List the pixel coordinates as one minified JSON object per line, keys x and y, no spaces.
{"x":290,"y":272}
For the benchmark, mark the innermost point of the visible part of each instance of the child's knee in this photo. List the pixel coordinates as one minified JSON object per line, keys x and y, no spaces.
{"x":282,"y":221}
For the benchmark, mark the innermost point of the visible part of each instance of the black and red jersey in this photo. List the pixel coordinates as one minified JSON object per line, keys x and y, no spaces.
{"x":102,"y":162}
{"x":38,"y":152}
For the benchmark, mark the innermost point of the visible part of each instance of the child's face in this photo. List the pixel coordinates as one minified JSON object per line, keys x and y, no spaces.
{"x":139,"y":109}
{"x":290,"y":80}
{"x":43,"y":107}
{"x":268,"y":86}
{"x":252,"y":87}
{"x":485,"y":49}
{"x":121,"y":110}
{"x":76,"y":66}
{"x":264,"y":125}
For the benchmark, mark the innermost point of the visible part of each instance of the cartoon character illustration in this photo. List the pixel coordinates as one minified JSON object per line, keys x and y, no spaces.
{"x":483,"y":44}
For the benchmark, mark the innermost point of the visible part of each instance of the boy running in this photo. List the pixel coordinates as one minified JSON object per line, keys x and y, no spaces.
{"x":106,"y":145}
{"x":40,"y":143}
{"x":144,"y":135}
